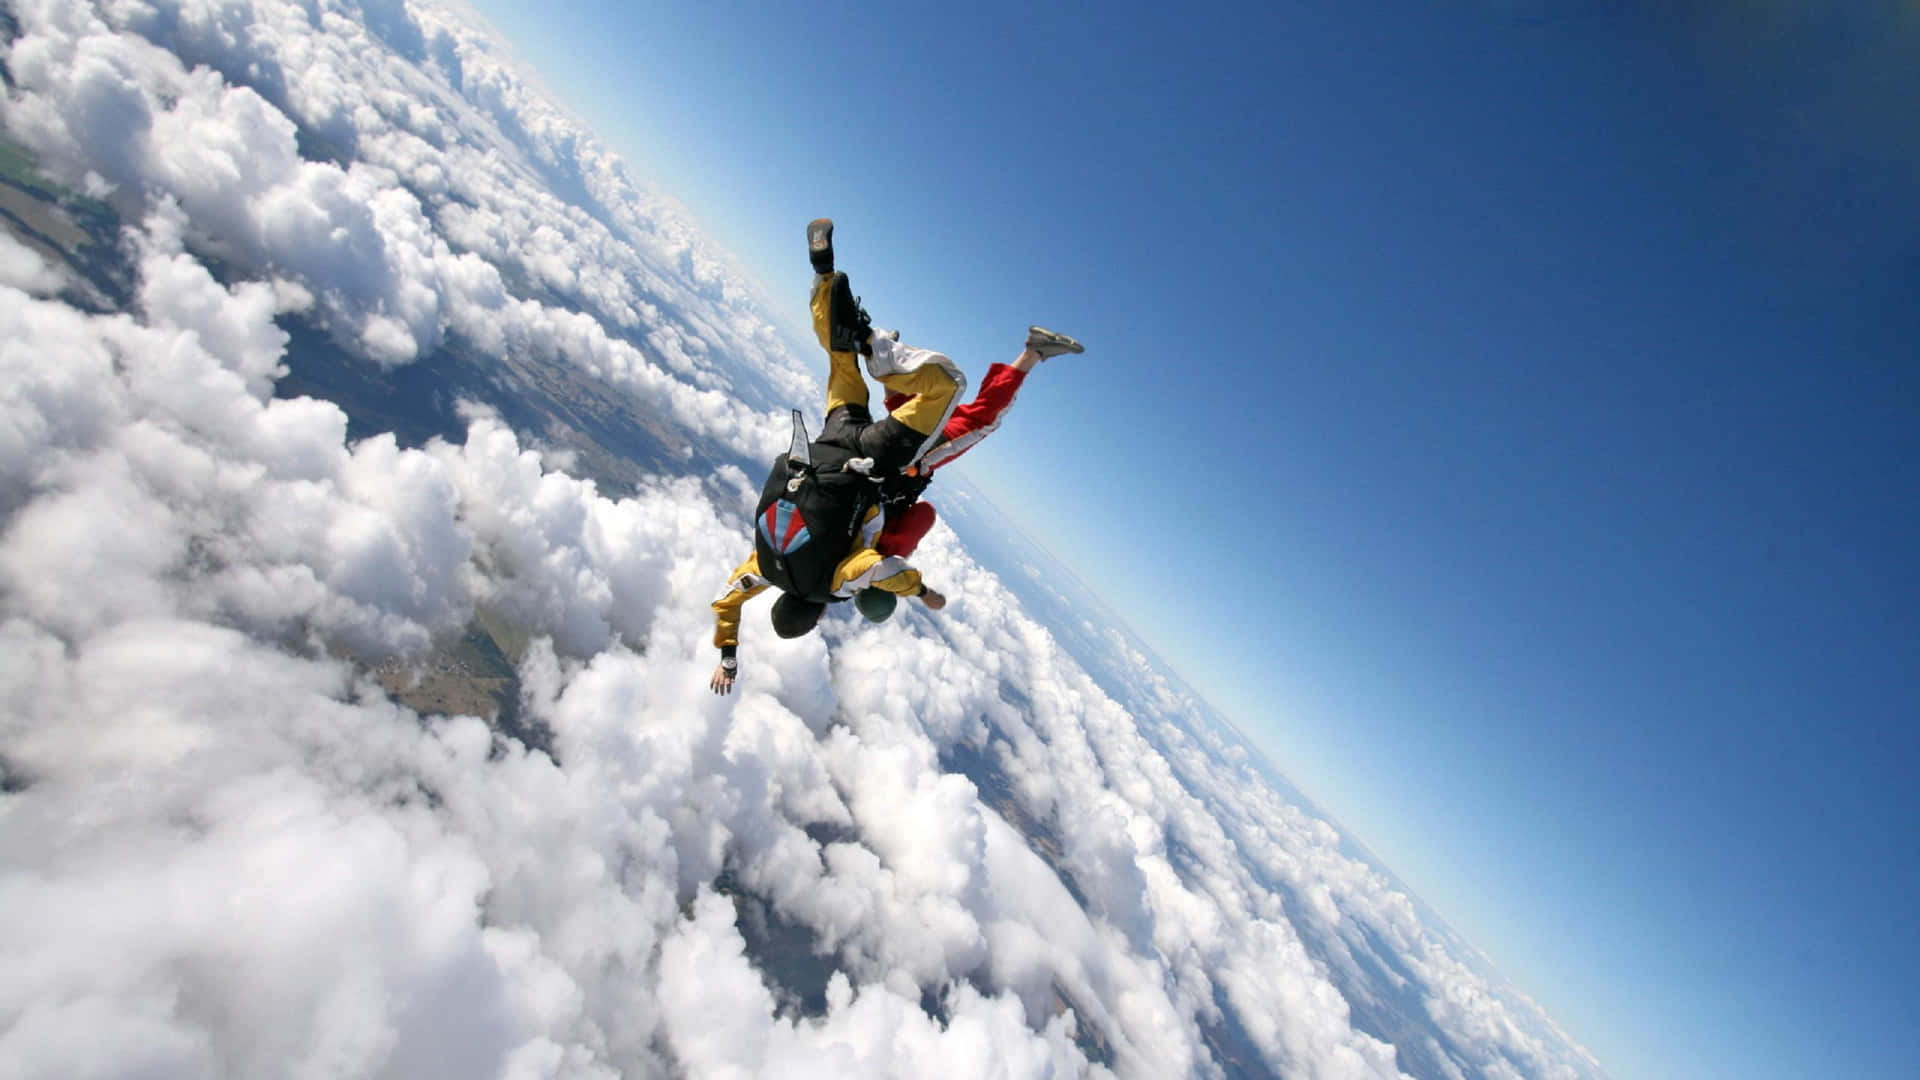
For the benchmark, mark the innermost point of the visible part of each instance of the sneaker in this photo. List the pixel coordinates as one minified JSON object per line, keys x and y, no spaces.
{"x":820,"y":244}
{"x":849,"y":329}
{"x":1045,"y":344}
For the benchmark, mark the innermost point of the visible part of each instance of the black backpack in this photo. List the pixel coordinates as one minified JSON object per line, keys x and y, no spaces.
{"x":809,"y":515}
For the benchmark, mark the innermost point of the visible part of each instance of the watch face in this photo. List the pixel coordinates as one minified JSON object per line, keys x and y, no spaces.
{"x":729,"y":663}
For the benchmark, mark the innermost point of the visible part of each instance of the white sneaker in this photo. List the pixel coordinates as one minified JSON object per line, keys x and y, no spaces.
{"x":1046,"y":344}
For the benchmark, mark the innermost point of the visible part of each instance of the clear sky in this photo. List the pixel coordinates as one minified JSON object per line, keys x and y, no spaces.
{"x":1508,"y":411}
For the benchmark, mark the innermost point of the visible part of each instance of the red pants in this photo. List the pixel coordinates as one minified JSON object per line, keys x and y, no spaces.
{"x":976,"y":419}
{"x":904,"y":531}
{"x":964,"y":429}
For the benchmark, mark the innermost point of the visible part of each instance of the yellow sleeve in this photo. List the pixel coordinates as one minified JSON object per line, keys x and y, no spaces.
{"x":743,"y":584}
{"x":868,"y":569}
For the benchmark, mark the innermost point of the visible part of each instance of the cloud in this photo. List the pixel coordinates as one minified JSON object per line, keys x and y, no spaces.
{"x":109,"y":108}
{"x":937,"y":845}
{"x":21,"y":267}
{"x":415,"y":236}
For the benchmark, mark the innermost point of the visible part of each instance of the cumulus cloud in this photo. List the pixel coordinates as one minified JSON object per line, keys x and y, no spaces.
{"x":941,"y":845}
{"x":23,"y":268}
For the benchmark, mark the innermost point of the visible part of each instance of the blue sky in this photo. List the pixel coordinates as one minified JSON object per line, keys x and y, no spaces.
{"x":1508,"y":412}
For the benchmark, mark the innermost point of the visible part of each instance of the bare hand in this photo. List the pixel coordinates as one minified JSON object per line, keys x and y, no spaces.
{"x":933,"y":600}
{"x":722,"y":679}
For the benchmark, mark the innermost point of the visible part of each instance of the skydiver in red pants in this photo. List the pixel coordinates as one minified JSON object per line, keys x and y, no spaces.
{"x":908,"y":519}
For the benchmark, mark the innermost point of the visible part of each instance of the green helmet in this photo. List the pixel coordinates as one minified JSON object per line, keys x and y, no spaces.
{"x":875,"y":604}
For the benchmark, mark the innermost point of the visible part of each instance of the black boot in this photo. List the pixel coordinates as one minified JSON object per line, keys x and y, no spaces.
{"x":820,"y":244}
{"x":849,"y":329}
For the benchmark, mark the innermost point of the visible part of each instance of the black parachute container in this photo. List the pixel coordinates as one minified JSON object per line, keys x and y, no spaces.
{"x":809,"y":514}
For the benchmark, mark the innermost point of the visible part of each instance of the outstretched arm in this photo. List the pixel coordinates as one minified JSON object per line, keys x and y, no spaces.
{"x":742,"y":585}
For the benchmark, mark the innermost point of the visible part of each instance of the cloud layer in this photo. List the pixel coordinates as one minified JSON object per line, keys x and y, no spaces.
{"x":935,"y":846}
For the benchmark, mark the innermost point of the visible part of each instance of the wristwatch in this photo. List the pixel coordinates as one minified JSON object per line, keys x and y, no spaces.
{"x":729,"y":665}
